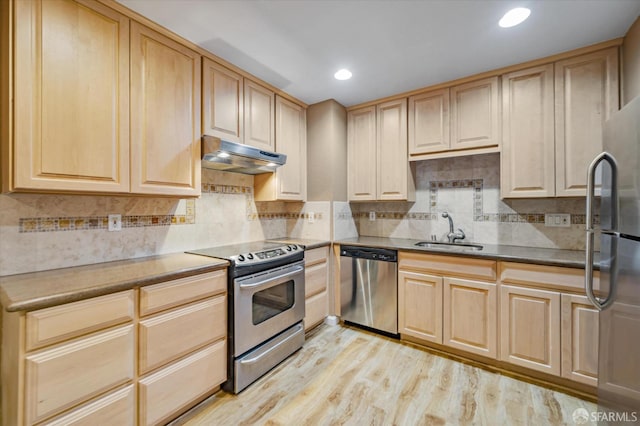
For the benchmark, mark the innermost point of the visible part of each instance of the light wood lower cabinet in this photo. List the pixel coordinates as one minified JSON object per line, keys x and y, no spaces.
{"x":84,"y":363}
{"x":316,"y":277}
{"x":420,"y":310}
{"x":471,"y":316}
{"x":530,"y":328}
{"x":579,"y":330}
{"x":174,"y":388}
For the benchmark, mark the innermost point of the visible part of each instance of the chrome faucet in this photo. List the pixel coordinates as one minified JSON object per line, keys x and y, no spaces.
{"x":453,"y":236}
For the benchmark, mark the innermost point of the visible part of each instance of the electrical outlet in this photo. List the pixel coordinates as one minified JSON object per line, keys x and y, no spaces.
{"x":115,"y":222}
{"x":372,"y":216}
{"x":559,"y":220}
{"x":312,"y":217}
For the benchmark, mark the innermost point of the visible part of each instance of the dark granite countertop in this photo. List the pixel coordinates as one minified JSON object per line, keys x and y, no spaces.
{"x":540,"y":256}
{"x":43,"y":289}
{"x":308,"y":244}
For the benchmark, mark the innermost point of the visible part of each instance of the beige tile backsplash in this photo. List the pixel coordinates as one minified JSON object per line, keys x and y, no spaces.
{"x":469,"y":189}
{"x":39,"y":232}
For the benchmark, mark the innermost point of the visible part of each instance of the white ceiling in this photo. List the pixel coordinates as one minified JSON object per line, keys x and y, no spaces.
{"x":390,"y":46}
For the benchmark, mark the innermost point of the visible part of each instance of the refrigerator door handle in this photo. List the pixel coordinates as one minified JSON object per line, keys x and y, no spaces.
{"x":591,"y":177}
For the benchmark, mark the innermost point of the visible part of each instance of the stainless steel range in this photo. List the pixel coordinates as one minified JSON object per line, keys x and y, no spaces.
{"x":266,"y":307}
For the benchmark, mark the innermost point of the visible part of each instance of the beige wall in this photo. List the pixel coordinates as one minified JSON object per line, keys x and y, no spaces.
{"x":631,"y":63}
{"x":327,"y":152}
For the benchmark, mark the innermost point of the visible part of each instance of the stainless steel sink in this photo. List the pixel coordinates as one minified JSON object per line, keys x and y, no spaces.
{"x":450,"y":246}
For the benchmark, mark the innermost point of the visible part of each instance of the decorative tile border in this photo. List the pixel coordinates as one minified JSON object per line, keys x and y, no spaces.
{"x":286,"y":215}
{"x":478,"y":210}
{"x":213,"y":188}
{"x":83,"y":223}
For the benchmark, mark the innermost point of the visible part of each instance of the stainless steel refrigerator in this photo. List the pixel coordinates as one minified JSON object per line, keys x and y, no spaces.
{"x":618,"y":297}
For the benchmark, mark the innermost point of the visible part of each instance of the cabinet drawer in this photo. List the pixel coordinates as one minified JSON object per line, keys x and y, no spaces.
{"x":53,"y":325}
{"x":315,"y":309}
{"x":115,"y":409}
{"x":163,"y":296}
{"x":71,"y":373}
{"x":448,"y":265}
{"x":195,"y":376}
{"x":170,"y":335}
{"x":316,"y":255}
{"x":315,"y":279}
{"x":555,"y":277}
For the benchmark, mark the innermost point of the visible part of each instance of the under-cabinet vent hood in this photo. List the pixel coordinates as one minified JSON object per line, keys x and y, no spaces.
{"x":228,"y":156}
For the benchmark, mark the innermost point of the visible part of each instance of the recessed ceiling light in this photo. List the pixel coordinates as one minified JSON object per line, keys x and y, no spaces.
{"x":343,"y":74}
{"x":514,"y":17}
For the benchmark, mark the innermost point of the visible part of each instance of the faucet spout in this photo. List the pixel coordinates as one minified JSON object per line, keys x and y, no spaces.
{"x":453,"y":236}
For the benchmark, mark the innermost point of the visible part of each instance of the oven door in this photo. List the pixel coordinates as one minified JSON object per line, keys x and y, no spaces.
{"x":267,"y":303}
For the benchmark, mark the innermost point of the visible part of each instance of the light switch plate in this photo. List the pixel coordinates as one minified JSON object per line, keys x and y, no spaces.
{"x":558,"y":220}
{"x":311,"y":216}
{"x":372,"y":216}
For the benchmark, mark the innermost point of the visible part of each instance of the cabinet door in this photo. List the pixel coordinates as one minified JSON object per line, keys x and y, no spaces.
{"x":392,"y":162}
{"x":420,"y":306}
{"x":586,"y":95}
{"x":195,"y":376}
{"x":429,"y":122}
{"x":470,"y":316}
{"x":316,"y":308}
{"x":165,"y":115}
{"x":530,"y":328}
{"x":222,"y":102}
{"x":71,"y":100}
{"x":259,"y":113}
{"x":361,"y":154}
{"x":527,"y":167}
{"x":65,"y":375}
{"x":474,"y":114}
{"x":579,"y":339}
{"x":291,"y":139}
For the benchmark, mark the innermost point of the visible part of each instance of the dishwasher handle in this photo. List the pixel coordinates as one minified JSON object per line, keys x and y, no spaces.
{"x":379,"y":254}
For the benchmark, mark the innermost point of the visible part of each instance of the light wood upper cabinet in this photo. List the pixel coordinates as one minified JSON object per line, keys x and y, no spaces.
{"x":528,"y":148}
{"x":259,"y":112}
{"x":579,"y":331}
{"x":420,"y":305}
{"x":361,"y":154}
{"x":71,"y":98}
{"x":471,"y":316}
{"x":289,"y":182}
{"x":165,"y":115}
{"x":392,"y":165}
{"x":223,"y":102}
{"x":429,"y":122}
{"x":530,"y":328}
{"x":377,"y":165}
{"x":586,"y":93}
{"x":475,"y":114}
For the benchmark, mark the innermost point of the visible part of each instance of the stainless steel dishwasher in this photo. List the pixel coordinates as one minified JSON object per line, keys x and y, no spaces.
{"x":369,"y":287}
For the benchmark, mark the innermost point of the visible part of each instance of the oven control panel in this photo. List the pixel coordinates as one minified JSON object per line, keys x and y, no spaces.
{"x":256,"y":257}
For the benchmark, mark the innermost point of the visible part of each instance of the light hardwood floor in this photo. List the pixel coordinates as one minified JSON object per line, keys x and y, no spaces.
{"x":344,"y":375}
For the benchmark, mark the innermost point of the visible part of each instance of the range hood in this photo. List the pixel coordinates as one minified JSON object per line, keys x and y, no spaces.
{"x":228,"y":156}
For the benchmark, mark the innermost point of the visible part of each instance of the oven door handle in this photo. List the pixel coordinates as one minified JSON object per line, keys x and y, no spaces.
{"x":257,"y":358}
{"x":270,"y":282}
